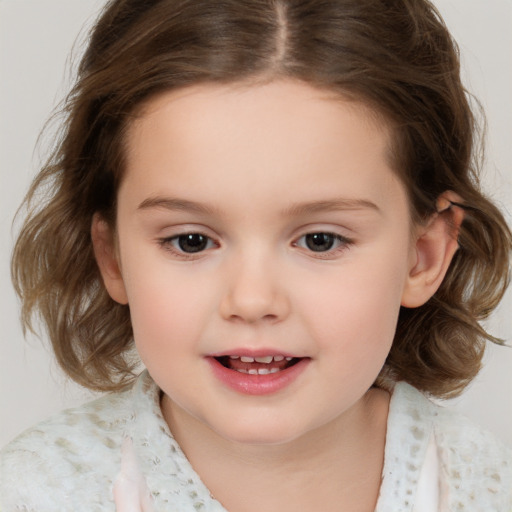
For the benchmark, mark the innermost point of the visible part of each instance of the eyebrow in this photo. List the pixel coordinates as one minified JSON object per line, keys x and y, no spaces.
{"x":296,"y":209}
{"x":330,"y":205}
{"x":175,"y":204}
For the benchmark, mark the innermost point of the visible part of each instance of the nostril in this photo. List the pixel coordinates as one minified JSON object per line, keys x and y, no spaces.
{"x":254,"y":301}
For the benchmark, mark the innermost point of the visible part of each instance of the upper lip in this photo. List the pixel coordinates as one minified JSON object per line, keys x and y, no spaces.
{"x":263,"y":352}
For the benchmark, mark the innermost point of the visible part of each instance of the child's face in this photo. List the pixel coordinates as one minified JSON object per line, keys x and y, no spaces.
{"x":261,"y":221}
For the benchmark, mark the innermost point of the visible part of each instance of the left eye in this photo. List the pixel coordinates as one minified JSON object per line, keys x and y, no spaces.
{"x":191,"y":242}
{"x":321,"y":242}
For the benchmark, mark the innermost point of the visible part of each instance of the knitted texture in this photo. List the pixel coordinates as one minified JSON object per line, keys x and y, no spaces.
{"x":475,"y":470}
{"x":72,"y":461}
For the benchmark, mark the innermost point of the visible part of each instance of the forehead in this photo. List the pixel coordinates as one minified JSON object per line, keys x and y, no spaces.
{"x":293,"y":98}
{"x":288,"y":134}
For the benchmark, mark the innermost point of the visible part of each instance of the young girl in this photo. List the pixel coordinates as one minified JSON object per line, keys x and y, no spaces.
{"x":273,"y":204}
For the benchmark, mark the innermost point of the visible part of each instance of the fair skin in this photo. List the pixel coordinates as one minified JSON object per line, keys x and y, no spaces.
{"x":265,"y":221}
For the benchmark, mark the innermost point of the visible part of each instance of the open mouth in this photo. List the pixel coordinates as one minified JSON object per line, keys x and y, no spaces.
{"x":258,"y":365}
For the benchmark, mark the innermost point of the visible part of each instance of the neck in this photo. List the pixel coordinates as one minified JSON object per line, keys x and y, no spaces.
{"x":335,"y":467}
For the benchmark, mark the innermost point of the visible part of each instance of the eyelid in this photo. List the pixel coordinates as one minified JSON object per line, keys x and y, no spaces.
{"x":344,"y":244}
{"x":166,"y":243}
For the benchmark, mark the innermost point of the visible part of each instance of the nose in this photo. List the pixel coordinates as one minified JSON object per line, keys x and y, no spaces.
{"x":254,"y":292}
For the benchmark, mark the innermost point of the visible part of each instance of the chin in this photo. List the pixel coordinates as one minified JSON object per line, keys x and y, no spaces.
{"x":257,"y":439}
{"x":270,"y":434}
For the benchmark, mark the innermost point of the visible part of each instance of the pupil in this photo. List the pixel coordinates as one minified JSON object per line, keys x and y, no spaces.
{"x":319,"y":241}
{"x":193,"y":242}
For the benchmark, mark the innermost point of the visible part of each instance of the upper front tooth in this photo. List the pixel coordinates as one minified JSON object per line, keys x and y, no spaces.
{"x":247,"y":359}
{"x":278,"y":358}
{"x":266,"y":359}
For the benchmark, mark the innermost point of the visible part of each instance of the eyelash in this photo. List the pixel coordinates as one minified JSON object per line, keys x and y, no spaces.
{"x":168,"y":244}
{"x":343,"y":243}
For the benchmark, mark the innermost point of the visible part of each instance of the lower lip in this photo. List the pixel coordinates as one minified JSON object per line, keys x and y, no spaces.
{"x":257,"y":384}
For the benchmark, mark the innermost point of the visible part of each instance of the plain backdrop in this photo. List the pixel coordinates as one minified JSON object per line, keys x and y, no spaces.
{"x":36,"y":38}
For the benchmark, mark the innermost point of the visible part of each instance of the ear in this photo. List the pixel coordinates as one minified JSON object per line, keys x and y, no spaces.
{"x":105,"y":252}
{"x":435,"y":246}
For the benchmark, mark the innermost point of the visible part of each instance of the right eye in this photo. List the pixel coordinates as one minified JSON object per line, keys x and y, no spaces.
{"x":188,"y":243}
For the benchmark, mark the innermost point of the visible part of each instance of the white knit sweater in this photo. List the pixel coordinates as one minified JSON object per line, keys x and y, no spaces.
{"x":434,"y":459}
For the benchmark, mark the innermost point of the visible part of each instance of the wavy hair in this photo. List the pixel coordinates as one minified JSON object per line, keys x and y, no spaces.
{"x":396,"y":56}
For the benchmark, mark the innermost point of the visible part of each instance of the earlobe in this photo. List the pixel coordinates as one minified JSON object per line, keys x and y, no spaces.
{"x":107,"y":259}
{"x":435,"y":246}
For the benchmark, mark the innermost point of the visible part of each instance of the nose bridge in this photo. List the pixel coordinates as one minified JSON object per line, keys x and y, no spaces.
{"x":254,"y":290}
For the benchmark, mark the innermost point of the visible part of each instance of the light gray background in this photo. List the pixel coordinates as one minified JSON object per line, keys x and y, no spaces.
{"x":36,"y":37}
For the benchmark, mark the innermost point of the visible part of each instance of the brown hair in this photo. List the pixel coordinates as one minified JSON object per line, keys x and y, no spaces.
{"x":394,"y":55}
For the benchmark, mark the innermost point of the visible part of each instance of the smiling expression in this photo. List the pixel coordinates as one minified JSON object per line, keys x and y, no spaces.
{"x":264,"y":244}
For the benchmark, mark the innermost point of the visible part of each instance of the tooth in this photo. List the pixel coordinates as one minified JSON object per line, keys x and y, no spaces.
{"x":234,"y":357}
{"x":266,"y":359}
{"x":263,"y":371}
{"x":278,"y":358}
{"x":274,"y":370}
{"x":246,"y":359}
{"x":242,"y":371}
{"x":253,"y":371}
{"x":289,"y":358}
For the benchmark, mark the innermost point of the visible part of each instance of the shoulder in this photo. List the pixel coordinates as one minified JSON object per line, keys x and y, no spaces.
{"x":68,"y":458}
{"x":475,"y":468}
{"x":74,"y":461}
{"x":474,"y":461}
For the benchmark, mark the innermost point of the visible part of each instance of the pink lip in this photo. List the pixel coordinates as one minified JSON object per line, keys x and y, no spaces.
{"x":257,"y":384}
{"x":251,"y":353}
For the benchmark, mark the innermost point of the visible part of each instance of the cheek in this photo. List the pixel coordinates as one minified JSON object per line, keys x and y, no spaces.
{"x":357,"y":307}
{"x":166,"y":309}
